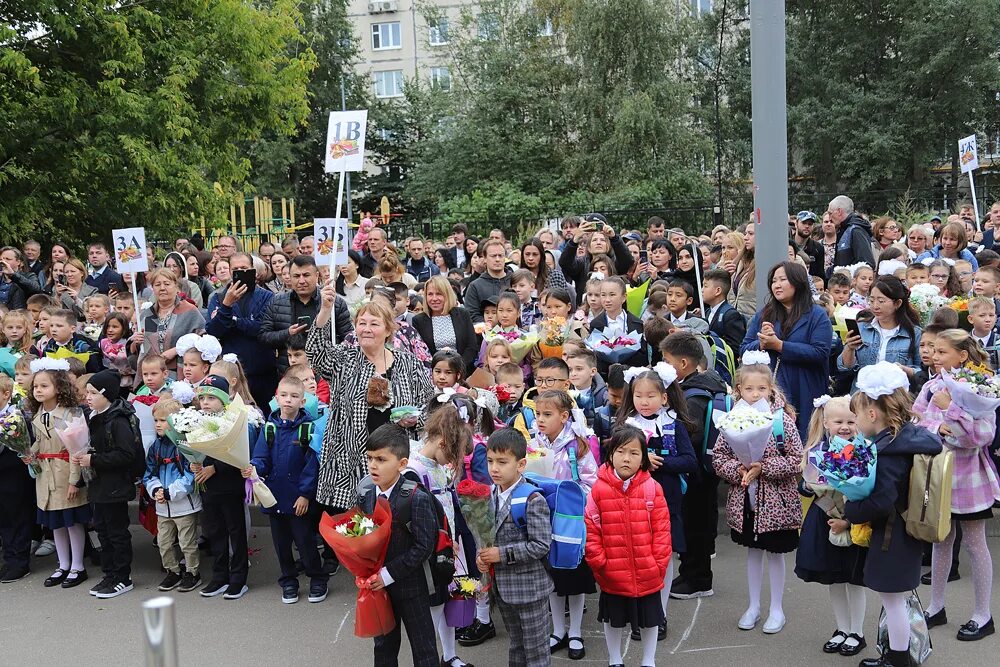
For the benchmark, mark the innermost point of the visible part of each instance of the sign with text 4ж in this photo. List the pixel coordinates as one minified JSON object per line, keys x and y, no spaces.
{"x":331,"y":241}
{"x":968,"y":154}
{"x":130,"y":250}
{"x":345,"y":141}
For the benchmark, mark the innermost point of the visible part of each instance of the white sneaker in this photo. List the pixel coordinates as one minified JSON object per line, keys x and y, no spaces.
{"x":749,"y":619}
{"x":45,"y":548}
{"x":774,"y":624}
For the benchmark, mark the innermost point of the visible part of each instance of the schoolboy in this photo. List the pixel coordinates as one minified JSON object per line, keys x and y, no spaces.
{"x":511,"y":375}
{"x":983,"y":319}
{"x":23,"y":374}
{"x":521,"y":583}
{"x":297,"y":357}
{"x":604,"y":420}
{"x":489,"y":312}
{"x":170,"y":483}
{"x":986,"y":282}
{"x":680,"y":296}
{"x":66,"y":342}
{"x":723,"y":320}
{"x":592,"y":390}
{"x":283,"y":458}
{"x":410,"y":545}
{"x":155,"y":379}
{"x":126,"y":306}
{"x":42,"y":333}
{"x":551,"y":374}
{"x":917,"y":274}
{"x":684,"y":352}
{"x":522,"y":282}
{"x":965,"y":274}
{"x":96,"y":308}
{"x":223,"y":523}
{"x":17,"y":500}
{"x":920,"y":377}
{"x":839,"y":287}
{"x":113,"y":451}
{"x":35,"y":304}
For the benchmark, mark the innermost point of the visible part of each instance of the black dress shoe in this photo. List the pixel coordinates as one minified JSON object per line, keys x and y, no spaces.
{"x":661,"y":632}
{"x":74,"y":578}
{"x":834,"y":644}
{"x":57,"y":578}
{"x":940,"y":618}
{"x":972,"y":631}
{"x":559,"y":645}
{"x":889,"y":659}
{"x":636,"y":635}
{"x":848,"y":650}
{"x":577,"y":653}
{"x":477,"y":633}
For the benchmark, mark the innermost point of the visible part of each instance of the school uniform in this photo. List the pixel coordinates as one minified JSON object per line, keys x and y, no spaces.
{"x":406,"y":584}
{"x":17,"y":510}
{"x":223,"y":524}
{"x":818,"y":560}
{"x":78,"y":346}
{"x":521,"y":581}
{"x":727,"y":323}
{"x":631,"y":325}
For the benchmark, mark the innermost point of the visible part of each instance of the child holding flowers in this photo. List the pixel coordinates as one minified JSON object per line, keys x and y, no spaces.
{"x":628,"y":547}
{"x":818,"y":559}
{"x":959,"y":405}
{"x":768,"y":522}
{"x":17,"y":489}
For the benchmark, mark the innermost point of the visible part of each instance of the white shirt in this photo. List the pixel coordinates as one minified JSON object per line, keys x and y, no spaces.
{"x":620,"y":321}
{"x":885,"y":335}
{"x":502,"y":497}
{"x":97,"y":272}
{"x":674,"y":318}
{"x":355,"y":293}
{"x":387,"y":579}
{"x":985,"y":340}
{"x":712,"y":310}
{"x":459,"y":257}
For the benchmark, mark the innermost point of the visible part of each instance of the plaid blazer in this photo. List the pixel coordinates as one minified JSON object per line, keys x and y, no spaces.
{"x":520,"y":575}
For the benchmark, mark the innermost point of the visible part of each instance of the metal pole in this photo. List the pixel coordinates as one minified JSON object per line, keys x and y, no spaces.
{"x":343,"y":107}
{"x":770,"y":137}
{"x":159,"y":624}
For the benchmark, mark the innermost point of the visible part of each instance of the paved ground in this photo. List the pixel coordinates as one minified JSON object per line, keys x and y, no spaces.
{"x":43,"y":626}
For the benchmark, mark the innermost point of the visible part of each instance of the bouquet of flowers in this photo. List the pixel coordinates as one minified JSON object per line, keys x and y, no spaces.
{"x":554,"y":333}
{"x":91,"y":330}
{"x":14,"y":436}
{"x":974,"y":389}
{"x":747,"y":431}
{"x":539,"y":460}
{"x":925,"y":299}
{"x":502,"y":392}
{"x":960,"y":304}
{"x":360,"y":541}
{"x":521,"y":341}
{"x":143,"y":406}
{"x":613,"y":346}
{"x":460,"y":608}
{"x":76,"y":438}
{"x":844,"y":466}
{"x":475,"y":501}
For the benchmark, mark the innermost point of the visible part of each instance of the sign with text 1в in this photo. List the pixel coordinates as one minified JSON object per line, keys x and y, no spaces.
{"x":968,"y":154}
{"x":130,"y":250}
{"x":330,"y":246}
{"x":345,"y":141}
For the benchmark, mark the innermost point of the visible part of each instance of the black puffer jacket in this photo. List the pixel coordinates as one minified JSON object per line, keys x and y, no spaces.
{"x":22,"y":286}
{"x":854,"y":243}
{"x":112,"y":457}
{"x":278,"y":317}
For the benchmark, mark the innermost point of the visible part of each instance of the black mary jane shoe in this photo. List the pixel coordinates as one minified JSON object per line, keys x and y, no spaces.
{"x":848,"y":650}
{"x":577,"y":653}
{"x":56,"y":579}
{"x":833,"y":646}
{"x":972,"y":631}
{"x":934,"y":620}
{"x":559,"y":645}
{"x":74,"y":578}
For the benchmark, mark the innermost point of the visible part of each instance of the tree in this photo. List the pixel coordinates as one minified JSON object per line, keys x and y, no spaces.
{"x":136,"y":113}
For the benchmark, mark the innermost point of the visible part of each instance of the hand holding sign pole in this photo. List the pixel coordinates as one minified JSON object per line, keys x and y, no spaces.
{"x":968,"y":157}
{"x":130,"y":256}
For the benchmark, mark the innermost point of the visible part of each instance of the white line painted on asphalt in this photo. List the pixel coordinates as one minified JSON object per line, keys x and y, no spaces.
{"x":342,"y":621}
{"x":716,"y":648}
{"x":690,"y":627}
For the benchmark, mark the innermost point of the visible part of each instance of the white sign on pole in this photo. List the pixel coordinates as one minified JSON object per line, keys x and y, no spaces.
{"x":130,"y":250}
{"x":968,"y":154}
{"x":345,"y":141}
{"x":331,"y":241}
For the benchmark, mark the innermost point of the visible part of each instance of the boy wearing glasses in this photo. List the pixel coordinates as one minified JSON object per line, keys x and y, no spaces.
{"x":551,"y":374}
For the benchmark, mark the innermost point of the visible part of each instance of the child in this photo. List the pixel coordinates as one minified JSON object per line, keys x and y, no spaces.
{"x":448,"y":371}
{"x":290,"y":467}
{"x":555,"y":418}
{"x":944,"y":277}
{"x":511,"y":376}
{"x":628,"y":547}
{"x":965,"y":275}
{"x":66,"y":342}
{"x":591,"y":390}
{"x":615,"y":321}
{"x":557,"y":304}
{"x":974,"y":486}
{"x":230,"y":368}
{"x":17,"y":500}
{"x":410,"y":545}
{"x":155,"y":378}
{"x":894,"y":569}
{"x":839,"y":288}
{"x":523,"y":283}
{"x":680,"y":296}
{"x":656,"y":305}
{"x":96,"y":308}
{"x":772,"y":527}
{"x":522,"y":586}
{"x":983,"y":319}
{"x":35,"y":304}
{"x":820,"y":561}
{"x":489,"y":314}
{"x":170,"y":483}
{"x":112,"y":343}
{"x":197,"y":354}
{"x":15,"y":332}
{"x":917,"y":274}
{"x":927,"y":339}
{"x":552,"y":374}
{"x":654,"y":404}
{"x":22,"y":378}
{"x":861,"y":285}
{"x":223,"y":521}
{"x":497,"y":353}
{"x":125,"y":306}
{"x":723,"y":320}
{"x":113,"y":450}
{"x":297,"y":357}
{"x":61,"y":494}
{"x":42,"y":334}
{"x":592,"y":305}
{"x":986,"y":282}
{"x":604,"y":418}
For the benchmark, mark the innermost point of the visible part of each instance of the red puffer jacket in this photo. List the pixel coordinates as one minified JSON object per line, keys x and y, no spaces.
{"x":628,"y":537}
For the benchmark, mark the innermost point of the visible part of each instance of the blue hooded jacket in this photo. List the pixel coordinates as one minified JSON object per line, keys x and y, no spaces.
{"x":289,"y":468}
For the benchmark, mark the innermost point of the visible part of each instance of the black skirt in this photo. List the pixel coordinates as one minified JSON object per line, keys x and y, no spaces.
{"x":974,"y":516}
{"x":820,"y":562}
{"x":574,"y":582}
{"x":620,"y":611}
{"x":777,"y":542}
{"x":53,"y":519}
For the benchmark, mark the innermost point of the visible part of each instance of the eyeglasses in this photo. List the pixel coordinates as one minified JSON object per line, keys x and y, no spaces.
{"x":939,"y":276}
{"x":548,"y":382}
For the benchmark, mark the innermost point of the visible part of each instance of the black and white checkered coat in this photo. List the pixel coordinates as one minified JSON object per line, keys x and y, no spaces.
{"x":342,"y":461}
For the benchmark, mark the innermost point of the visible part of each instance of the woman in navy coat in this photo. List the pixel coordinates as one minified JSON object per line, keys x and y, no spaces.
{"x":797,"y":335}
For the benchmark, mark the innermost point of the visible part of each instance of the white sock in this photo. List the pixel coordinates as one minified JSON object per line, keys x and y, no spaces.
{"x":841,"y":608}
{"x":576,"y":603}
{"x":648,"y":646}
{"x":668,"y":581}
{"x":446,"y":634}
{"x":61,"y":538}
{"x":857,"y":601}
{"x":896,"y":620}
{"x":613,"y":638}
{"x":974,"y":541}
{"x":776,"y":567}
{"x":755,"y":577}
{"x":483,"y":609}
{"x":77,"y":537}
{"x":557,"y":607}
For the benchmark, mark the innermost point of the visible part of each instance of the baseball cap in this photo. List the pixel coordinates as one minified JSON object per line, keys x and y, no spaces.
{"x":802,"y":216}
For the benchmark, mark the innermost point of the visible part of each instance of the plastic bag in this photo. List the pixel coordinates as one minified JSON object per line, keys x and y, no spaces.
{"x":841,"y":539}
{"x":920,"y":637}
{"x":373,"y":616}
{"x":861,"y":534}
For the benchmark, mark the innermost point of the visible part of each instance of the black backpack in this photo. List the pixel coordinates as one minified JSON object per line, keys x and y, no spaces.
{"x":138,"y":465}
{"x":721,"y":402}
{"x":303,"y":436}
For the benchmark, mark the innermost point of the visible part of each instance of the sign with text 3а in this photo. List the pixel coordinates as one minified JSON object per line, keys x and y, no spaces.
{"x":130,"y":250}
{"x":331,"y":241}
{"x":345,"y":141}
{"x":968,"y":154}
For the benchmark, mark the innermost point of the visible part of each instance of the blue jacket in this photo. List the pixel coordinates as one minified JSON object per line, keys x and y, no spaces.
{"x":935,"y":253}
{"x":167,"y":469}
{"x":593,"y":398}
{"x":898,"y":351}
{"x":290,"y":469}
{"x":237,"y":327}
{"x":804,"y":371}
{"x":424,"y":271}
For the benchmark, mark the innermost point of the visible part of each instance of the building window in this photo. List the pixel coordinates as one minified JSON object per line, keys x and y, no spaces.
{"x":701,"y":7}
{"x":487,"y":26}
{"x":438,"y":31}
{"x":441,"y":78}
{"x":386,"y":36}
{"x":389,"y":83}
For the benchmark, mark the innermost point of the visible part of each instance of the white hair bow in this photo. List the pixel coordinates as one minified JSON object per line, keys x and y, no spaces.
{"x":208,"y":346}
{"x":597,"y":275}
{"x":881,"y":379}
{"x":755,"y":357}
{"x":821,"y":401}
{"x":666,"y":372}
{"x":579,"y":424}
{"x":48,"y":364}
{"x":231,"y":358}
{"x":889,"y":267}
{"x":183,"y":392}
{"x":445,"y":395}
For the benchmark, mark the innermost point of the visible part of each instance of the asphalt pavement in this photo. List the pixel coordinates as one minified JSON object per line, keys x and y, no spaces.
{"x":56,"y":626}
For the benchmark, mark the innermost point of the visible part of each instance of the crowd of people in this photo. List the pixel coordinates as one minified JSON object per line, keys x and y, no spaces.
{"x":602,"y":352}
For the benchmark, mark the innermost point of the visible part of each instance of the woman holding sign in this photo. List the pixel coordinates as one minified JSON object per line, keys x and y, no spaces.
{"x":166,"y":320}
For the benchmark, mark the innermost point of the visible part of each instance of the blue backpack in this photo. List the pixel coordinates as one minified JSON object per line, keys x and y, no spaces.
{"x":567,"y":502}
{"x":720,"y":402}
{"x":723,"y":360}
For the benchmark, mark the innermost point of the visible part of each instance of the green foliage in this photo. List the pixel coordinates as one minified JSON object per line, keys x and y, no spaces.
{"x":136,"y":113}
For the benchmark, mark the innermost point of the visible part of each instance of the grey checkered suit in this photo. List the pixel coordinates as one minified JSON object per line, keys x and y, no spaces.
{"x":522,"y":582}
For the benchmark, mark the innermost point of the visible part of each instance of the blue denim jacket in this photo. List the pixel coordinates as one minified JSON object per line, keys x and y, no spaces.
{"x":897,"y":352}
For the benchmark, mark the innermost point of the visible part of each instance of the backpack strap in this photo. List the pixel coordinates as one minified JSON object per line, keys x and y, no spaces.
{"x":778,"y":430}
{"x":305,"y":433}
{"x":269,"y":434}
{"x":573,"y":467}
{"x":519,"y":503}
